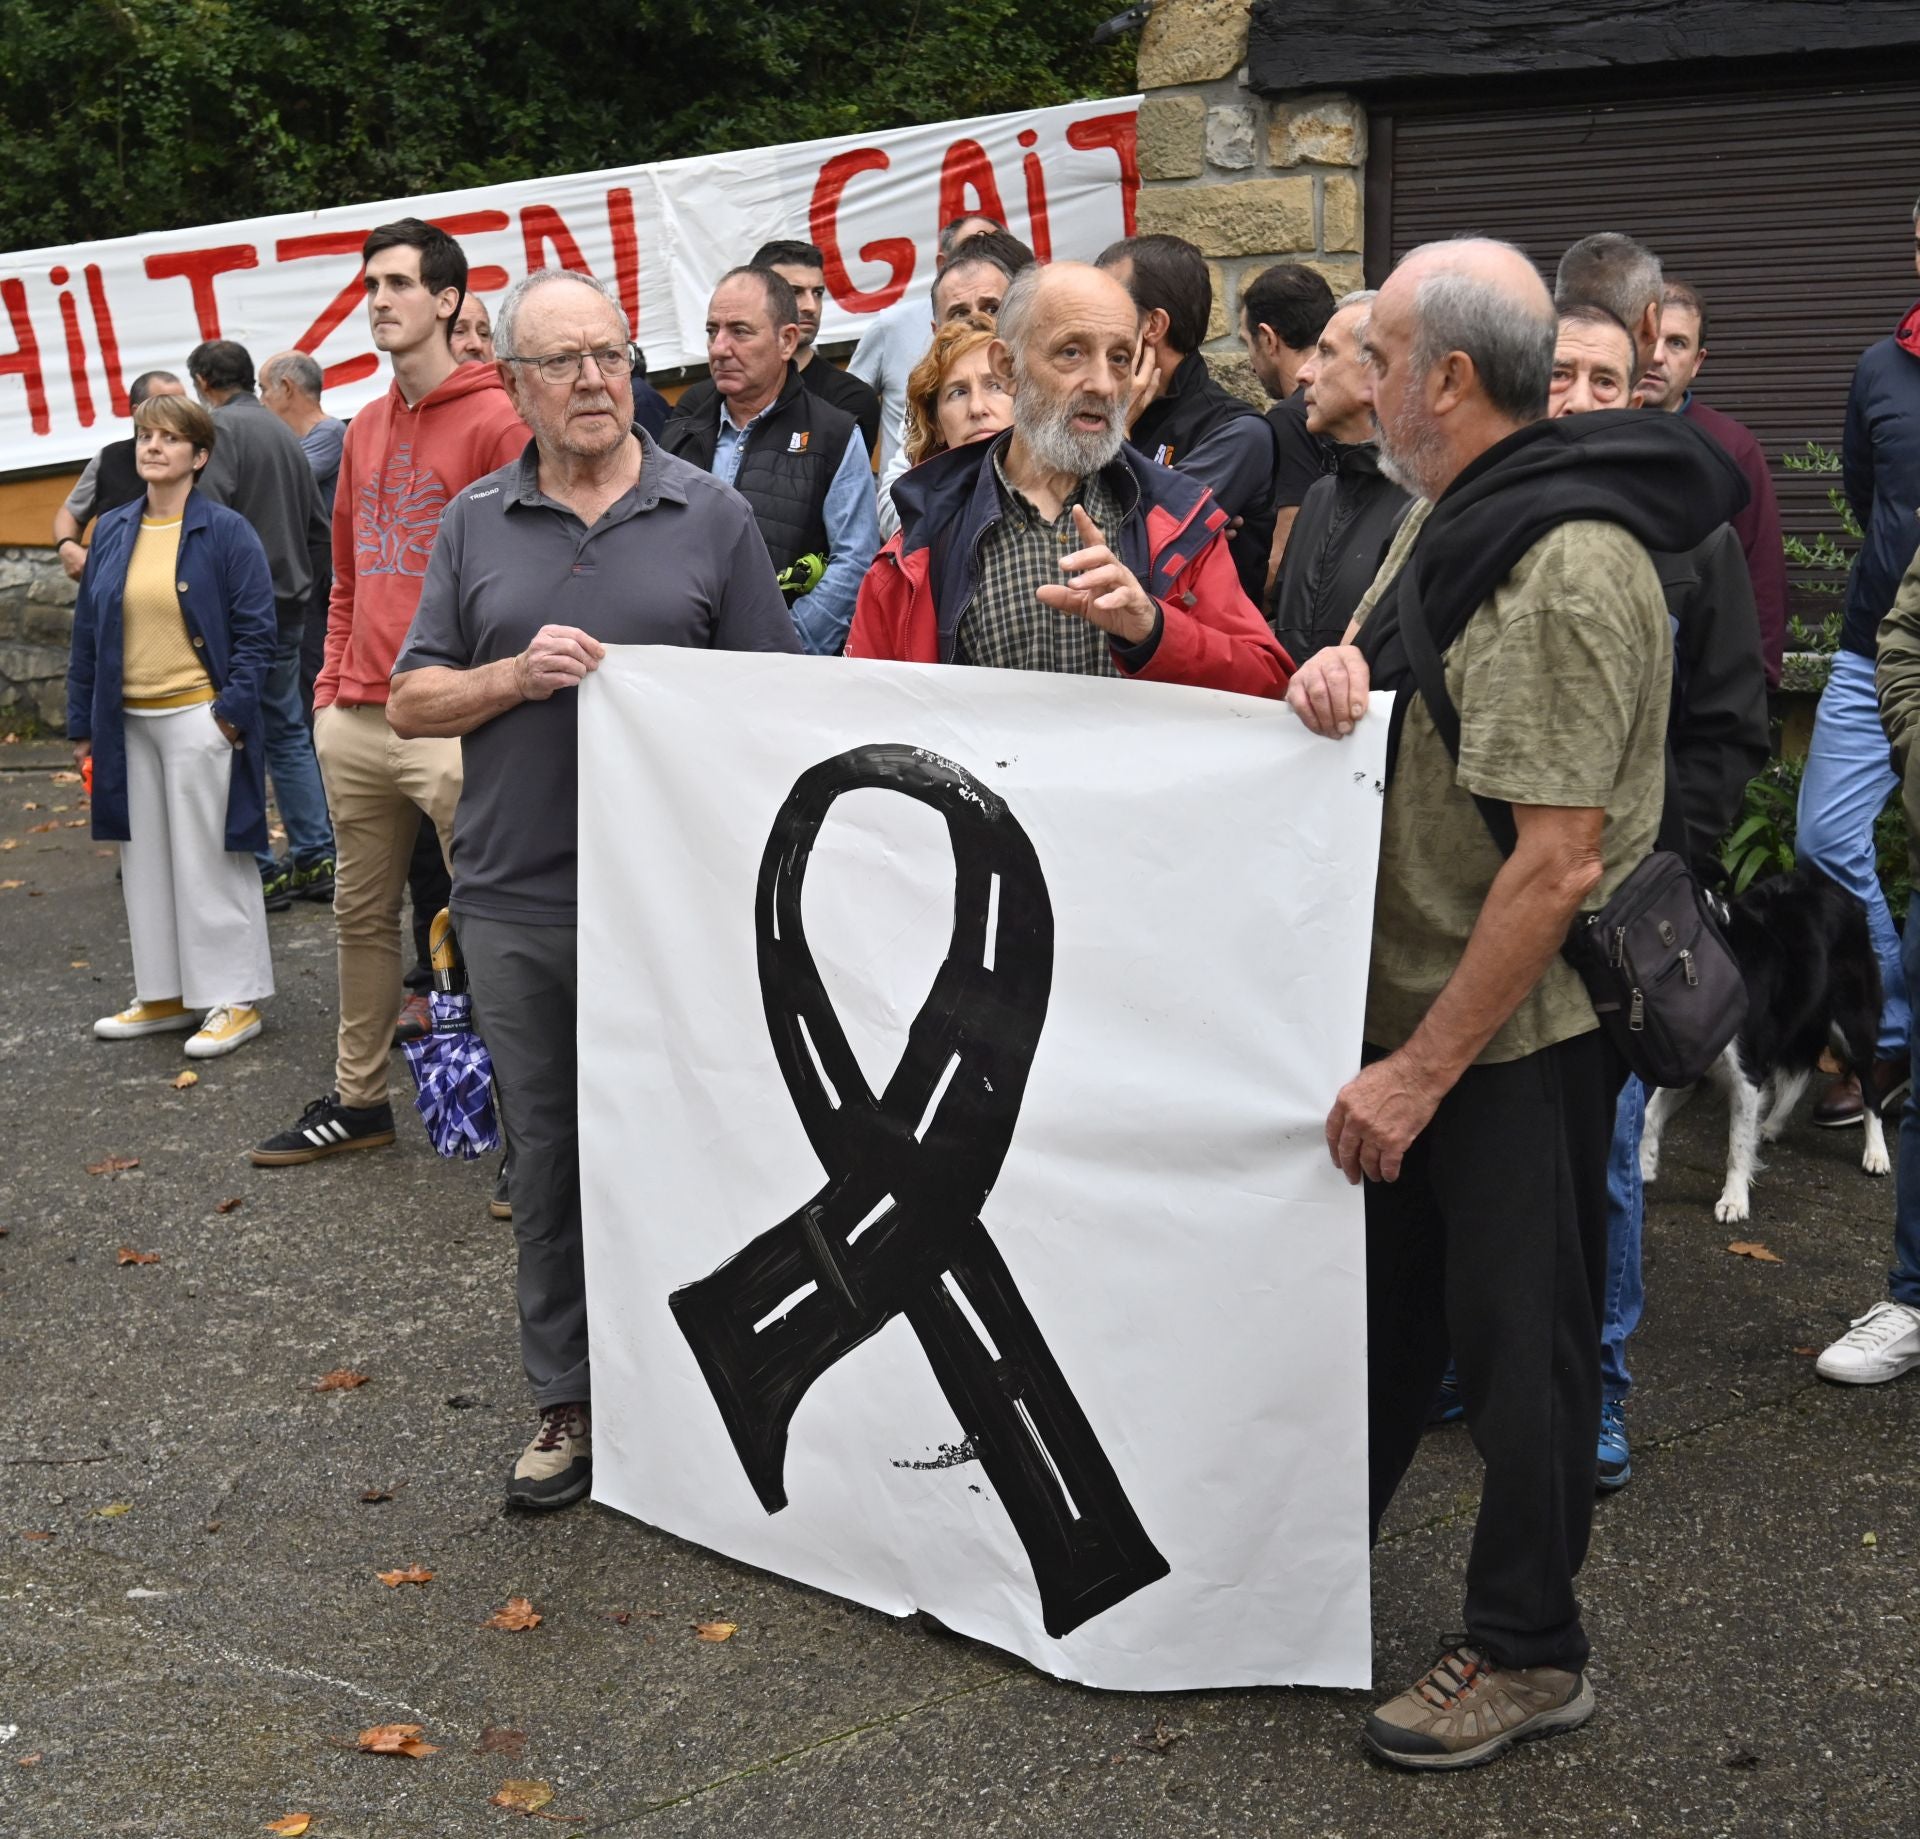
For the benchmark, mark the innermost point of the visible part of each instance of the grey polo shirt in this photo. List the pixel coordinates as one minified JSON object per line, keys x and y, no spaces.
{"x":677,"y":561}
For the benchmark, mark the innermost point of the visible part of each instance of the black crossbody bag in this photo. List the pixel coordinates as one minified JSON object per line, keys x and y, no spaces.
{"x":1655,"y":960}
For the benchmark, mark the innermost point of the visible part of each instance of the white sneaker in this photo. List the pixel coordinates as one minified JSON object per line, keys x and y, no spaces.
{"x":226,"y":1027}
{"x":1881,"y":1345}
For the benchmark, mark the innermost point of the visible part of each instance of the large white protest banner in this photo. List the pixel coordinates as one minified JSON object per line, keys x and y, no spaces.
{"x":77,"y":324}
{"x":955,"y":1050}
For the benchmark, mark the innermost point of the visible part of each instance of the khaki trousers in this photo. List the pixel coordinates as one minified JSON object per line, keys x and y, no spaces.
{"x":377,"y":786}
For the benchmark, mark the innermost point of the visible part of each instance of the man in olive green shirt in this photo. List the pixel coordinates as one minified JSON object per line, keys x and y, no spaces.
{"x":1481,"y":1117}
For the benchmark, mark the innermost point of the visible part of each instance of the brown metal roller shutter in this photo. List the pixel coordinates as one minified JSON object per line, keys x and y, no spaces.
{"x":1789,"y":212}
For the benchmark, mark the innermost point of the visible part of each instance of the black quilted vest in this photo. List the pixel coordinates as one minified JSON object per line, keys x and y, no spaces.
{"x":792,"y":454}
{"x":118,"y":481}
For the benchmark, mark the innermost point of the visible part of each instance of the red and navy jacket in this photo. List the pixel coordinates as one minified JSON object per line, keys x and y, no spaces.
{"x":1171,"y":538}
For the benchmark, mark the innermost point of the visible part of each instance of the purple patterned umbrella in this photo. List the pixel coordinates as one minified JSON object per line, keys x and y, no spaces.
{"x":451,"y":1064}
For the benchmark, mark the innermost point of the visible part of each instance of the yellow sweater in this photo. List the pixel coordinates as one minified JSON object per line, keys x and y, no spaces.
{"x":160,"y":667}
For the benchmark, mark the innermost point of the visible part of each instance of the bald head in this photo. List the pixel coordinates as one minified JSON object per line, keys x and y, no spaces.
{"x":1040,"y":300}
{"x":1461,"y":342}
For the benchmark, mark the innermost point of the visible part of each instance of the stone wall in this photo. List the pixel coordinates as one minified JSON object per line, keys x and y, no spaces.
{"x":36,"y":627}
{"x":1250,"y":181}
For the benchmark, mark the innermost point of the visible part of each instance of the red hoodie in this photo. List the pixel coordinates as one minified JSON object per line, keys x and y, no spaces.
{"x":398,"y":469}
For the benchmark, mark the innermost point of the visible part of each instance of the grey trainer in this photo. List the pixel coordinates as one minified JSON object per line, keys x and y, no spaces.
{"x":556,"y":1468}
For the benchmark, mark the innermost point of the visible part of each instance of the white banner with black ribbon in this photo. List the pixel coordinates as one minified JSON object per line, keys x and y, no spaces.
{"x":955,"y":1048}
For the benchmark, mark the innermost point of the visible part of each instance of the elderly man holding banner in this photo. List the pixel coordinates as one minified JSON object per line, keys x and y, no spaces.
{"x":1524,"y":794}
{"x":593,"y":537}
{"x":1056,"y":546}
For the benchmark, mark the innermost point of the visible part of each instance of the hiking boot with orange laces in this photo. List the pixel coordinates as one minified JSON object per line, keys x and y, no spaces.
{"x":1466,"y":1710}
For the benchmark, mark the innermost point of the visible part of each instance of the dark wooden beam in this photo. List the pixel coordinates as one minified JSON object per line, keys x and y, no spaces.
{"x":1360,"y":44}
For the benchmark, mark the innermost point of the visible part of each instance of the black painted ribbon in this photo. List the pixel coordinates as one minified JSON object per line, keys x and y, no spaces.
{"x":896,"y":1229}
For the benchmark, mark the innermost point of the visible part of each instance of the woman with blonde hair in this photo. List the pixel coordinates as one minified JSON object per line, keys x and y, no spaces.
{"x":173,"y":636}
{"x":954,"y":396}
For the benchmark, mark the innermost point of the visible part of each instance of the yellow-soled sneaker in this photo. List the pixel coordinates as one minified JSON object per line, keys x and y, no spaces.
{"x":229,"y":1026}
{"x":138,"y":1018}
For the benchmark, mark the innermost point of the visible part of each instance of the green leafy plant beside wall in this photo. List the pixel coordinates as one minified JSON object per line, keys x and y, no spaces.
{"x":1761,"y":843}
{"x":1822,"y":563}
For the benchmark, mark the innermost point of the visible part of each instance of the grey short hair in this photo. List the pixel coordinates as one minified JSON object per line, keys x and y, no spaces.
{"x":1613,"y":270}
{"x":297,"y":368}
{"x":1511,"y":347}
{"x":983,"y":260}
{"x":507,"y":314}
{"x":1361,"y":296}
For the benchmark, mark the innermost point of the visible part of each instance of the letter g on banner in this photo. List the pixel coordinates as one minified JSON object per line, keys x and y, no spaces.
{"x":823,"y":224}
{"x":895,"y":1230}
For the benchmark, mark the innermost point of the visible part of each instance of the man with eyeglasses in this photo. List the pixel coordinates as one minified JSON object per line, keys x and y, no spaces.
{"x":800,"y":461}
{"x":436,"y":430}
{"x":592,"y":537}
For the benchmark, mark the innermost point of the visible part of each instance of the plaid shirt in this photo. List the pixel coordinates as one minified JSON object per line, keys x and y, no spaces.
{"x":1005,"y":626}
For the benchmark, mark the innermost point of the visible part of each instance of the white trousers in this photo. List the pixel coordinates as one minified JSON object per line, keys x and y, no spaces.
{"x":195,"y":913}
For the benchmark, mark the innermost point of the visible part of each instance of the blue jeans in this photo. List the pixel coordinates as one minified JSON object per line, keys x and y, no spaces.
{"x":1903,"y":1281}
{"x":297,"y":788}
{"x":1849,"y":777}
{"x":1625,"y":1297}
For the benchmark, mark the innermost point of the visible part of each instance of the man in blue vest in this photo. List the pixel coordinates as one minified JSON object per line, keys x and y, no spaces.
{"x":798,"y":460}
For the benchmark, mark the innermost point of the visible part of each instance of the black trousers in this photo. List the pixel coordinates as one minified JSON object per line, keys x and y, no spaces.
{"x":429,"y":888}
{"x":1493,"y":1243}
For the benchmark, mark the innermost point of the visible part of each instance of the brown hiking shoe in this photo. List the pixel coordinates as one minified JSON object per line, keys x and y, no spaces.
{"x":1466,"y":1710}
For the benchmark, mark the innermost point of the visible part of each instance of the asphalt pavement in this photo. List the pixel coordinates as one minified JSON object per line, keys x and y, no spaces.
{"x":192,"y":1634}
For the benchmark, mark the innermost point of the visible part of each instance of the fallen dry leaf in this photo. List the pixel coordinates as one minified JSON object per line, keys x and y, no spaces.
{"x":52,"y":823}
{"x":127,"y":1255}
{"x":413,"y":1574}
{"x":524,"y":1797}
{"x":228,"y":1206}
{"x":1804,"y":1352}
{"x":290,"y":1825}
{"x":12,"y":884}
{"x":27,"y":1762}
{"x":395,"y":1740}
{"x":66,"y":778}
{"x":715,"y":1631}
{"x":1752,"y":1248}
{"x":113,"y":1165}
{"x":77,"y":823}
{"x":182,"y":1080}
{"x":620,"y":1616}
{"x":501,"y":1740}
{"x":78,"y":964}
{"x":31,"y":804}
{"x":372,"y":1495}
{"x":519,"y":1614}
{"x":1159,"y":1740}
{"x":341,"y":1379}
{"x":38,"y":1538}
{"x":113,"y":1510}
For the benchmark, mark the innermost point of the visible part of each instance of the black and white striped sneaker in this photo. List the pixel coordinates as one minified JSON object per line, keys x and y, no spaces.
{"x":326,"y":1128}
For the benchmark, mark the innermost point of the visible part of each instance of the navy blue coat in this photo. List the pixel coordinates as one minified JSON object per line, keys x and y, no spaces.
{"x":1880,"y":464}
{"x":226,"y":599}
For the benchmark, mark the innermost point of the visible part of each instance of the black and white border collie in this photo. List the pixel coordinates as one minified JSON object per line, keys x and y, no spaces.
{"x":1813,"y":986}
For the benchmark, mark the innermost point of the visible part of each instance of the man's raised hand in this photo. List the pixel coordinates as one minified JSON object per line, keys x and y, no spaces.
{"x":1103,"y":590}
{"x":558,"y":658}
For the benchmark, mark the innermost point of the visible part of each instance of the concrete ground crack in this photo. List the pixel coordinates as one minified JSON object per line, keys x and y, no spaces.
{"x":767,"y":1764}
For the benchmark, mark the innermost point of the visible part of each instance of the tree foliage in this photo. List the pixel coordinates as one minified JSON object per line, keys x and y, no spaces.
{"x":153,"y":114}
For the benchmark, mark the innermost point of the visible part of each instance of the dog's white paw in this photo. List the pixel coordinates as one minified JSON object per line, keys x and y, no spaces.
{"x":1649,"y":1163}
{"x":1731,"y":1206}
{"x":1875,"y":1161}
